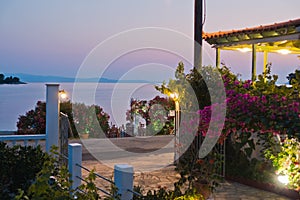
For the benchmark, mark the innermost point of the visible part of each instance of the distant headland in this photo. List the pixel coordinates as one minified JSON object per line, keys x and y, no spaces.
{"x":30,"y":78}
{"x":10,"y":80}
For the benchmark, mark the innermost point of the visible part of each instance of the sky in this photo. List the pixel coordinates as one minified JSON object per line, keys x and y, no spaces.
{"x":55,"y":37}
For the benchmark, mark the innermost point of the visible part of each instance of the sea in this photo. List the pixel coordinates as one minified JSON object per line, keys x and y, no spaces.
{"x":114,"y":98}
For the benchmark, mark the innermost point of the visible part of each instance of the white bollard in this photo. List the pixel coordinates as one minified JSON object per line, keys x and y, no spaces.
{"x":75,"y":157}
{"x":123,"y":175}
{"x":52,"y":116}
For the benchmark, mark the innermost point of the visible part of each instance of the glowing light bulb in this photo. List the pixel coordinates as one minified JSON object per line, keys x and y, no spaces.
{"x":174,"y":95}
{"x":63,"y":94}
{"x":244,"y":50}
{"x":284,"y":51}
{"x":284,"y":179}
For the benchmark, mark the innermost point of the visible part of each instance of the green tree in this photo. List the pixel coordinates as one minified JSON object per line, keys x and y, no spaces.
{"x":34,"y":121}
{"x":1,"y":78}
{"x":155,"y":114}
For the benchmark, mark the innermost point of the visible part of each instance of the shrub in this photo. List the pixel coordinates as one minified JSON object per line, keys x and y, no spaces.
{"x":163,"y":193}
{"x":286,"y":160}
{"x":18,"y":168}
{"x":155,"y":114}
{"x":90,"y":119}
{"x":34,"y":121}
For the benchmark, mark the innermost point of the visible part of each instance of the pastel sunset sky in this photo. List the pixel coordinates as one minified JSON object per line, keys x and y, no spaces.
{"x":54,"y":37}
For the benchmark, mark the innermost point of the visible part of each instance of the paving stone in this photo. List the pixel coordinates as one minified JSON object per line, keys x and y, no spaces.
{"x":167,"y":177}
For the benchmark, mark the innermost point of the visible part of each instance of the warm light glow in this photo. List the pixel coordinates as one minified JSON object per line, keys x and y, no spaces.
{"x":244,"y":50}
{"x":63,"y":94}
{"x":284,"y":51}
{"x":283,"y":179}
{"x":174,"y":95}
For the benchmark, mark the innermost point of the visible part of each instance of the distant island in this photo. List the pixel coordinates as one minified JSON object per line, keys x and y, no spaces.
{"x":10,"y":80}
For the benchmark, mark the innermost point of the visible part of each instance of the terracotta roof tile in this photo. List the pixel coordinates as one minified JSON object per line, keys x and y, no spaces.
{"x":275,"y":26}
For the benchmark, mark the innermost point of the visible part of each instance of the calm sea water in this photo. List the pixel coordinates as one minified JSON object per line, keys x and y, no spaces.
{"x":16,"y":100}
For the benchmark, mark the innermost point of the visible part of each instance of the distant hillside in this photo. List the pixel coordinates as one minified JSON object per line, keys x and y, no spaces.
{"x":60,"y":79}
{"x":10,"y":80}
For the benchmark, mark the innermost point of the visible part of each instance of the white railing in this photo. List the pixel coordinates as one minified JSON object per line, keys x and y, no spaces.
{"x":52,"y":123}
{"x":25,"y":138}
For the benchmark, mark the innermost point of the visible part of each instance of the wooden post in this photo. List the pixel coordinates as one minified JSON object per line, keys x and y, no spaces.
{"x":218,"y":56}
{"x":75,"y":157}
{"x":52,"y":116}
{"x":253,"y":62}
{"x":198,"y":34}
{"x":123,"y":178}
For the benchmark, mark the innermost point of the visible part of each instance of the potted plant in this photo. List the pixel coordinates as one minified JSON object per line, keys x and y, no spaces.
{"x":84,"y":135}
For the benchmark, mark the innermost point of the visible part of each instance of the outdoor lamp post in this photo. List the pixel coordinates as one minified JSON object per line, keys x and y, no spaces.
{"x":174,"y":96}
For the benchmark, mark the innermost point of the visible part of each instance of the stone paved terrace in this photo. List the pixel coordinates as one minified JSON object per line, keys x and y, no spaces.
{"x":167,"y":176}
{"x":158,"y":173}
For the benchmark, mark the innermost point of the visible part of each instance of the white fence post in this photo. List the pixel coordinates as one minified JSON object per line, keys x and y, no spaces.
{"x":75,"y":157}
{"x":123,"y":175}
{"x":52,"y":116}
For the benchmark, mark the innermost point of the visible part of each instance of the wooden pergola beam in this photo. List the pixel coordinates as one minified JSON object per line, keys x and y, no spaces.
{"x":281,"y":37}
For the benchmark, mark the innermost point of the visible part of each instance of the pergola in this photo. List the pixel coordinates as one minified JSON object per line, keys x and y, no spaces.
{"x":281,"y":37}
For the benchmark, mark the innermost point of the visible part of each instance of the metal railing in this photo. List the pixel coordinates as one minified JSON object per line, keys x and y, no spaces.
{"x":105,"y":192}
{"x":97,"y":175}
{"x":123,"y":174}
{"x":135,"y":193}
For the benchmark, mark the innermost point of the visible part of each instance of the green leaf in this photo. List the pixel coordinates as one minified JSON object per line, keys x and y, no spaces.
{"x":248,"y":152}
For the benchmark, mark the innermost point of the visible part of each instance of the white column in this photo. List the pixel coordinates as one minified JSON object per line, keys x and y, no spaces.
{"x":75,"y":157}
{"x":123,"y":175}
{"x":52,"y":116}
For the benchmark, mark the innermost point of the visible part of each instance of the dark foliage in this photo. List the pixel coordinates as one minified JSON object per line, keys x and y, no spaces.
{"x":34,"y":121}
{"x":9,"y":80}
{"x":18,"y":168}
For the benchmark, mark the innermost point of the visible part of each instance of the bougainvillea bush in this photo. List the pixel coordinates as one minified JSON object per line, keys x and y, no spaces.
{"x":257,"y":112}
{"x":34,"y":121}
{"x":90,"y":119}
{"x":261,"y":108}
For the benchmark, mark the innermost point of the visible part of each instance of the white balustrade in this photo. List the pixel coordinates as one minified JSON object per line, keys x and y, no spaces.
{"x":25,"y":138}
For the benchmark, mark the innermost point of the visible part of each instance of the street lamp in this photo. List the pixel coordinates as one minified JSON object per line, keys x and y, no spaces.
{"x":174,"y":96}
{"x":63,"y":94}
